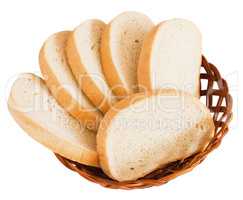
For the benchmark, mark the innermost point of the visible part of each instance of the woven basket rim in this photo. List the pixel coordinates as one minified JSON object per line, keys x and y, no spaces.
{"x":222,"y":116}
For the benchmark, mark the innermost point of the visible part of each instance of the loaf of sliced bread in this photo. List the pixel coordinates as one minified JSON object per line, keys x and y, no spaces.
{"x":149,"y":130}
{"x":62,"y":84}
{"x":38,"y":113}
{"x":120,"y":48}
{"x":83,"y":53}
{"x":171,"y":57}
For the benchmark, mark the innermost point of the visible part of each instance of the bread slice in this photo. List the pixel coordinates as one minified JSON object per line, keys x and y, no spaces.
{"x":83,"y":53}
{"x":145,"y":132}
{"x":61,"y":82}
{"x":38,"y":113}
{"x":120,"y":48}
{"x":171,"y":57}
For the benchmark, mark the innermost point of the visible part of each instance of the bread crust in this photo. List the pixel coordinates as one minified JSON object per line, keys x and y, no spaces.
{"x":90,"y":119}
{"x":86,"y":84}
{"x":54,"y":143}
{"x":108,"y":66}
{"x":131,"y":99}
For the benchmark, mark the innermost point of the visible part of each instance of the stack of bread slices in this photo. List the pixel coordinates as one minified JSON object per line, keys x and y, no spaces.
{"x":122,"y":96}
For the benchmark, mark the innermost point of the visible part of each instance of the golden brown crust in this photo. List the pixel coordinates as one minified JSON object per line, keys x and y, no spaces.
{"x":86,"y":83}
{"x":55,"y":144}
{"x":88,"y":118}
{"x":130,"y":100}
{"x":197,"y":92}
{"x":108,"y":66}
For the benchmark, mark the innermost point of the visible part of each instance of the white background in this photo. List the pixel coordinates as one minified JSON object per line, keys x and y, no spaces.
{"x":30,"y":171}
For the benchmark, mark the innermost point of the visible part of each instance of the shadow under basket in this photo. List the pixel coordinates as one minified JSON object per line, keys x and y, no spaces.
{"x":214,"y":93}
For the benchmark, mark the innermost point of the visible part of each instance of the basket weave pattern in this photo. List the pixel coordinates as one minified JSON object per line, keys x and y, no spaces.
{"x":216,"y":97}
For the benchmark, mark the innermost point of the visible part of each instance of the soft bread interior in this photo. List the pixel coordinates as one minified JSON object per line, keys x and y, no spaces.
{"x":38,"y":113}
{"x":144,"y":133}
{"x":60,"y":80}
{"x":126,"y":35}
{"x":173,"y":57}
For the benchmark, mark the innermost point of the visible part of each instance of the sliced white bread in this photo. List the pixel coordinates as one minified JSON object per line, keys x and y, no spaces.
{"x":120,"y":48}
{"x":38,"y":113}
{"x":171,"y":57}
{"x":83,"y":53}
{"x":61,"y":82}
{"x":145,"y":132}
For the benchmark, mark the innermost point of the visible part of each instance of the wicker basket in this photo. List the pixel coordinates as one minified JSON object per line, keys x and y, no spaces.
{"x":218,"y":100}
